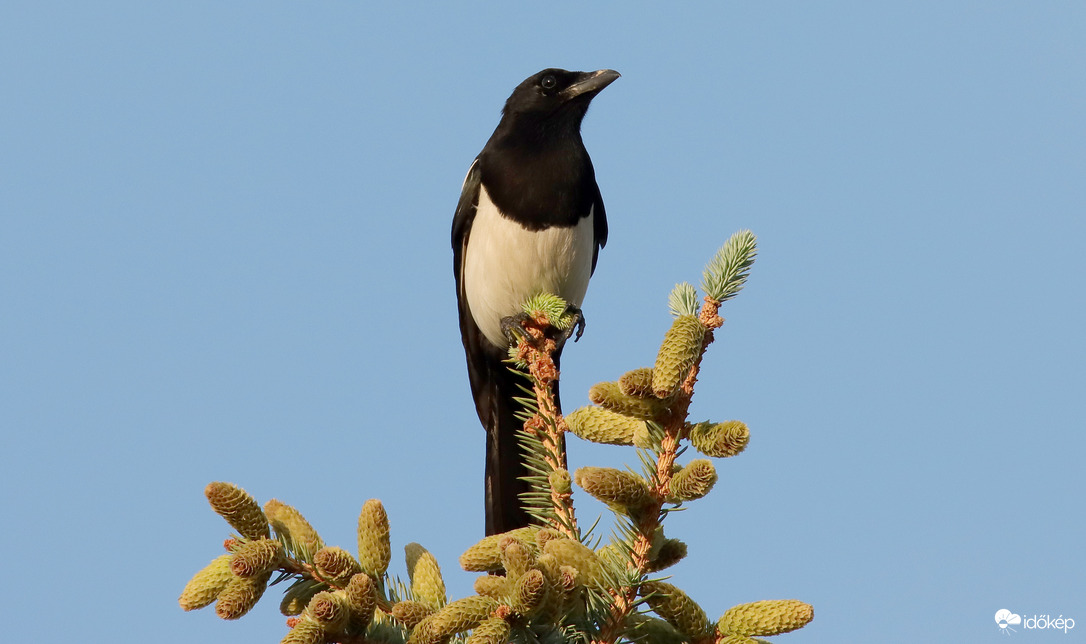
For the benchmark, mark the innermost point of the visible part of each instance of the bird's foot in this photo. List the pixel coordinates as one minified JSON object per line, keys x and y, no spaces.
{"x":577,"y":325}
{"x":514,"y":328}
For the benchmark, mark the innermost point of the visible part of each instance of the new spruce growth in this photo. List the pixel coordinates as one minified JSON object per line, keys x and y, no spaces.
{"x":543,"y":583}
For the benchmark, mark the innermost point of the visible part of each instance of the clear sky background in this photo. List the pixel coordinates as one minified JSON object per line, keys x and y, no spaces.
{"x":224,"y":255}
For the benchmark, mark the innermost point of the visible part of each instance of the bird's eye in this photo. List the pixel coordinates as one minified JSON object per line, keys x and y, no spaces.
{"x":549,"y":82}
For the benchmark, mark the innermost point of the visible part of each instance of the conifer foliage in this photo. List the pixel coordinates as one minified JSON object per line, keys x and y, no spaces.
{"x":544,"y":583}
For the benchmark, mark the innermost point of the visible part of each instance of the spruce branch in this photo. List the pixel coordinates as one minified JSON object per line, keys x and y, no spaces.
{"x":673,"y":379}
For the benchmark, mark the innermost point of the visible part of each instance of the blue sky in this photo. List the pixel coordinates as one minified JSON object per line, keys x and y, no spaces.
{"x":224,"y":255}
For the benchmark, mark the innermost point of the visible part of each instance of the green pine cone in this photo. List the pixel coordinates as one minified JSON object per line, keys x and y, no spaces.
{"x":599,"y":425}
{"x":330,"y":610}
{"x":546,"y":534}
{"x":298,"y":595}
{"x":493,"y":631}
{"x":736,"y":639}
{"x":720,"y":440}
{"x":459,"y":616}
{"x":306,"y":631}
{"x":637,"y":383}
{"x":569,"y":578}
{"x":576,"y":555}
{"x":680,"y":350}
{"x":293,"y":605}
{"x":609,"y":396}
{"x":410,"y":613}
{"x":613,"y":487}
{"x":336,"y":565}
{"x":361,"y":599}
{"x":486,"y":556}
{"x":767,"y":617}
{"x":556,"y":591}
{"x":239,"y":509}
{"x":205,"y":586}
{"x":493,"y":586}
{"x":424,"y":633}
{"x":678,"y":609}
{"x":693,"y":481}
{"x":240,"y":595}
{"x":426,"y":583}
{"x":374,"y":549}
{"x":559,"y":481}
{"x":529,"y":593}
{"x":516,"y":557}
{"x":254,"y":558}
{"x":671,"y":552}
{"x":286,"y":520}
{"x":551,"y":569}
{"x":650,"y":630}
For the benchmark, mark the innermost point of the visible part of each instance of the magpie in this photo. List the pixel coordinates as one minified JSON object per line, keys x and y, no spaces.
{"x":530,"y":220}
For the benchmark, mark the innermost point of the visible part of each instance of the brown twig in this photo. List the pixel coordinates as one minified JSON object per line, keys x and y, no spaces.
{"x":536,"y":348}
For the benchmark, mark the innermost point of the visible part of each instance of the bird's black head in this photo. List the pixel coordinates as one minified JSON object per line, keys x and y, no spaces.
{"x":557,"y":94}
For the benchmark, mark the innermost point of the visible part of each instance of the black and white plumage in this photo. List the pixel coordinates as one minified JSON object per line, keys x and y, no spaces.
{"x":530,"y":220}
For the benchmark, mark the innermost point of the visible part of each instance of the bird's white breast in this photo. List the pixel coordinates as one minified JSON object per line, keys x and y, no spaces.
{"x":506,"y":263}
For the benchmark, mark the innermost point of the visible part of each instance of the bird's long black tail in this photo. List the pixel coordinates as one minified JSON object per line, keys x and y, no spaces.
{"x":505,"y":464}
{"x":495,"y":399}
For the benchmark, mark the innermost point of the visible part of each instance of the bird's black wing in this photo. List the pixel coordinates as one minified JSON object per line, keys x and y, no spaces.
{"x":461,"y":229}
{"x":477,"y":348}
{"x":599,"y":224}
{"x":493,"y":387}
{"x":476,"y":345}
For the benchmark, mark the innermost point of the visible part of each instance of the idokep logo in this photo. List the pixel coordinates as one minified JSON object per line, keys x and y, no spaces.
{"x":1006,"y":620}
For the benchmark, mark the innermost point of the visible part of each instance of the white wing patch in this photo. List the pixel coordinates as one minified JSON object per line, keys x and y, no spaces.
{"x":505,"y":263}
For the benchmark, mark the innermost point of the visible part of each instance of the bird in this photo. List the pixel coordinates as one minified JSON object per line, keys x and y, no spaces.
{"x":530,"y":220}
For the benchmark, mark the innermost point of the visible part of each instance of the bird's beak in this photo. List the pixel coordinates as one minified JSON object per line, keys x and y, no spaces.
{"x":591,"y":82}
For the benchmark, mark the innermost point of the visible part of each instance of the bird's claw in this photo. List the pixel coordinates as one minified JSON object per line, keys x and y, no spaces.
{"x":577,"y":325}
{"x":513,"y":328}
